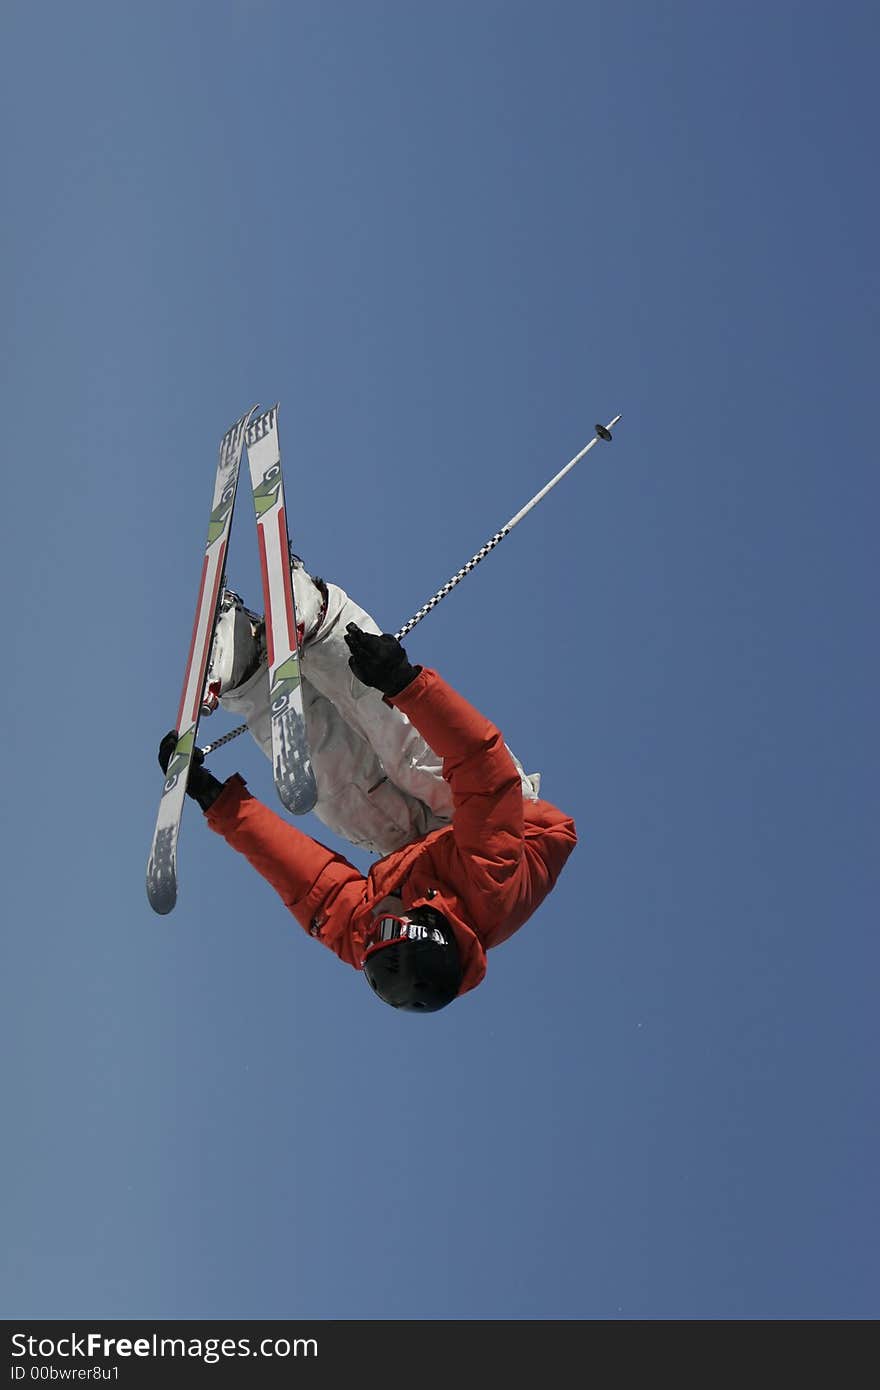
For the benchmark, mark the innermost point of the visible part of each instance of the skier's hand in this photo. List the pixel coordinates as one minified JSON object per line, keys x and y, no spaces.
{"x":379,"y":661}
{"x":166,"y":753}
{"x":201,"y":785}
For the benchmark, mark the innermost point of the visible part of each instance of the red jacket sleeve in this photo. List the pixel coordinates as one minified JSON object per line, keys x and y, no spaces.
{"x":486,"y":789}
{"x":320,"y":888}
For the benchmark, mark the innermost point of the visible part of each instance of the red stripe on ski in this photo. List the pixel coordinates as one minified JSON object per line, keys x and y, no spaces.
{"x":206,"y":651}
{"x":288,"y":588}
{"x":264,"y":570}
{"x":192,"y":646}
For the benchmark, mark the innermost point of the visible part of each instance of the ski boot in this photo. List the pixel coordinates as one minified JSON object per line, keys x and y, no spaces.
{"x":309,"y":600}
{"x":238,"y":649}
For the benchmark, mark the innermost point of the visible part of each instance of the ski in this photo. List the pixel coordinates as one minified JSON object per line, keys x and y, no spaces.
{"x":291,"y":760}
{"x":162,"y":866}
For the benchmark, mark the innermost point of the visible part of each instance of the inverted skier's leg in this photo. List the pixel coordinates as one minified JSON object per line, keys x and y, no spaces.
{"x":405,"y":756}
{"x":355,"y":797}
{"x":238,"y":671}
{"x":239,"y":663}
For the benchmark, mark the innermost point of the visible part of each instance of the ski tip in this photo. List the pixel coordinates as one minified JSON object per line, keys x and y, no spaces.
{"x":242,"y":423}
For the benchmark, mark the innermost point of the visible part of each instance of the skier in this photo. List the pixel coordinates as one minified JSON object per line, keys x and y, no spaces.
{"x":420,"y":922}
{"x":380,"y":785}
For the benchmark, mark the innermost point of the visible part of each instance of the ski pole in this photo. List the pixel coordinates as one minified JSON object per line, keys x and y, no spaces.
{"x":602,"y":432}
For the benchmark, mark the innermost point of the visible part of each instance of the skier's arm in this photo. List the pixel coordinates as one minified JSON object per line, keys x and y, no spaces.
{"x":320,"y":888}
{"x":486,"y":786}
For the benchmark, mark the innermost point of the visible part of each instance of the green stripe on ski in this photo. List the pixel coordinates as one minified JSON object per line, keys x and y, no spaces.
{"x":286,"y":678}
{"x":218,"y":519}
{"x":183,"y":751}
{"x":266,"y":492}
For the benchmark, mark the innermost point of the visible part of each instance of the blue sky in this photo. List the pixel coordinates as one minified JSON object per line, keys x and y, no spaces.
{"x":448,"y":239}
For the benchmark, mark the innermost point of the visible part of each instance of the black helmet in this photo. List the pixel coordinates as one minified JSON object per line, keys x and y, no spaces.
{"x":413,"y":962}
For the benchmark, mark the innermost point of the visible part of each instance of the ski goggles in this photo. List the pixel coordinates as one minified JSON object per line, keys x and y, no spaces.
{"x":390,"y":928}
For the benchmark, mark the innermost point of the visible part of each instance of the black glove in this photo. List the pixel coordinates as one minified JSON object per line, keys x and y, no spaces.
{"x":201,"y":784}
{"x":379,"y":661}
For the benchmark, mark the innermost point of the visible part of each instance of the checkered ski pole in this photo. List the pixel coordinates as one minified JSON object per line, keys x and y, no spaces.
{"x":602,"y":432}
